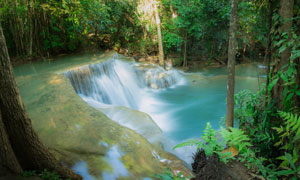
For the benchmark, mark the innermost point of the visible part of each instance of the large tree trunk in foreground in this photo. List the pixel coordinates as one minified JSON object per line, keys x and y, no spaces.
{"x":27,"y":147}
{"x":232,"y":49}
{"x":160,"y":45}
{"x":8,"y":161}
{"x":286,"y":12}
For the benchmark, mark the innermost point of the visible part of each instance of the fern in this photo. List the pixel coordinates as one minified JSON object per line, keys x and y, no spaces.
{"x":290,"y":133}
{"x":190,"y":142}
{"x":237,"y":138}
{"x":168,"y":174}
{"x":210,"y":144}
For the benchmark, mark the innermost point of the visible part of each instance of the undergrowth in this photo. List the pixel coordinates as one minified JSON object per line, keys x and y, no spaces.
{"x":45,"y":175}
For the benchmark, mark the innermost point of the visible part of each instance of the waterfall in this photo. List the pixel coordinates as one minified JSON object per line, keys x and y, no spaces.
{"x":118,"y":82}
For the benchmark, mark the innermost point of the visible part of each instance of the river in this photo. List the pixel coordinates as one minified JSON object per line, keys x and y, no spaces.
{"x":179,"y":104}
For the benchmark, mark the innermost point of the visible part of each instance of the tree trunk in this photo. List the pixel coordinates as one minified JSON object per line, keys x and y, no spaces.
{"x":8,"y":161}
{"x":286,"y":12}
{"x":269,"y":50}
{"x":160,"y":45}
{"x":30,"y":26}
{"x":298,"y":82}
{"x":184,"y":51}
{"x":232,"y":49}
{"x":29,"y":150}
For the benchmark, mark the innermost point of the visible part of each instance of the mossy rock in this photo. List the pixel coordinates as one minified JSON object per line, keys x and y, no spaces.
{"x":76,"y":132}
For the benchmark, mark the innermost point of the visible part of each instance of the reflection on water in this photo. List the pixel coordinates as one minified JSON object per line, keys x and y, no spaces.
{"x":113,"y":158}
{"x":81,"y":169}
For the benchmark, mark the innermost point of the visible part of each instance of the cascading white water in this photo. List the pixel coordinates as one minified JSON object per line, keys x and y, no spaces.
{"x":120,"y":83}
{"x":115,"y":82}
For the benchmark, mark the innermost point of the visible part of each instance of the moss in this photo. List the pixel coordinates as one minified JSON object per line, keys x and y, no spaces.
{"x":73,"y":130}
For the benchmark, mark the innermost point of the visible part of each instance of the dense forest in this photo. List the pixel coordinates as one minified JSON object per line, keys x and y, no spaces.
{"x":262,"y":127}
{"x":189,"y":29}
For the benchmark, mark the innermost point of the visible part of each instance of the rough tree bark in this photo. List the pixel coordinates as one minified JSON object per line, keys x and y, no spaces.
{"x":160,"y":45}
{"x":30,"y":26}
{"x":232,"y":49}
{"x":269,"y":50}
{"x":184,"y":50}
{"x":8,"y":161}
{"x":286,"y":12}
{"x":27,"y":147}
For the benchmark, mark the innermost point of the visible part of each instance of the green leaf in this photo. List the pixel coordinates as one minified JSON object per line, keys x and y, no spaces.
{"x":272,"y":84}
{"x":281,"y":49}
{"x":285,"y":172}
{"x":290,"y":159}
{"x":295,"y":55}
{"x":280,"y":42}
{"x":289,"y":96}
{"x":191,"y":142}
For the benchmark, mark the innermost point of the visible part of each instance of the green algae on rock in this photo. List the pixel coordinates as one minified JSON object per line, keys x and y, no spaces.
{"x":76,"y":132}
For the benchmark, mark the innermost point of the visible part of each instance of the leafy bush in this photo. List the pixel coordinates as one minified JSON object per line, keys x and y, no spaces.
{"x":211,"y":145}
{"x":233,"y":138}
{"x":169,"y":175}
{"x":46,"y":175}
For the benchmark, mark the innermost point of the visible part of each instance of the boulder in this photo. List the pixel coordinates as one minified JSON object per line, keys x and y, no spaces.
{"x":81,"y":136}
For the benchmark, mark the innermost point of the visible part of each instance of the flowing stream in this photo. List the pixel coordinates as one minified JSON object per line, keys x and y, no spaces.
{"x":180,"y":103}
{"x":166,"y":107}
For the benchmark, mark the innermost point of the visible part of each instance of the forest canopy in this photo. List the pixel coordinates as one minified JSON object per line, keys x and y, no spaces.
{"x":262,"y":127}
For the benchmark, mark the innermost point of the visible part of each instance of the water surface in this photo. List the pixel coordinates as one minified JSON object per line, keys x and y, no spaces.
{"x":179,"y":104}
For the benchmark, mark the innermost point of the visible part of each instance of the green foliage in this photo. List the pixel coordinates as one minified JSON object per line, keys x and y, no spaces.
{"x":252,"y":19}
{"x":45,"y":175}
{"x":211,"y":145}
{"x":289,"y":131}
{"x":289,"y":141}
{"x":254,"y":119}
{"x":29,"y":173}
{"x":237,"y":138}
{"x":66,"y":26}
{"x":287,"y":74}
{"x":293,"y":172}
{"x":168,"y":175}
{"x":199,"y":22}
{"x":249,"y":112}
{"x":62,"y":26}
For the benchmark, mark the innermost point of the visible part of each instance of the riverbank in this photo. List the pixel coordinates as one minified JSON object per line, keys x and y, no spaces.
{"x":82,"y":137}
{"x":176,"y":61}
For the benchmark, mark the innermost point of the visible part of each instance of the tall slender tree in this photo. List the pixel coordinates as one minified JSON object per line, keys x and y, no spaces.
{"x":20,"y":146}
{"x":232,"y":49}
{"x":160,"y":45}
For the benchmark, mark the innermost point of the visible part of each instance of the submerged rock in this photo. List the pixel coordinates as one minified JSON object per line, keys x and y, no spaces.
{"x":138,"y":121}
{"x":76,"y":132}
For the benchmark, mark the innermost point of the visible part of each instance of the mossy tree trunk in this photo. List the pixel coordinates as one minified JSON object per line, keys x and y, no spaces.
{"x":268,"y":50}
{"x":286,"y":12}
{"x":184,"y":51}
{"x":159,"y":36}
{"x":26,"y":145}
{"x":232,"y":49}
